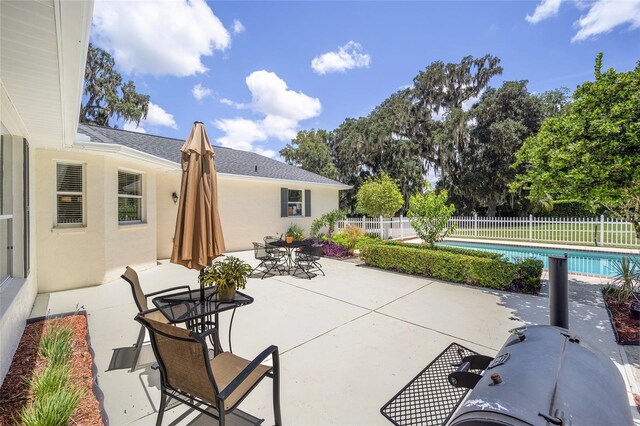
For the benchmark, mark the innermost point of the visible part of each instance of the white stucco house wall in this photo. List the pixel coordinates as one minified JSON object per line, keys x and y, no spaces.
{"x":61,"y":184}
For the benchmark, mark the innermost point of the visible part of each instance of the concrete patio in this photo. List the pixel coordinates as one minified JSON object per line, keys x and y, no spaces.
{"x":348,"y":341}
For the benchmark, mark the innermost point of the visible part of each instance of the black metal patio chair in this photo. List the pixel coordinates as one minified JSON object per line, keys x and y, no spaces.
{"x":268,"y":260}
{"x":215,"y":387}
{"x":140,"y":298}
{"x":307,"y":260}
{"x":276,"y":251}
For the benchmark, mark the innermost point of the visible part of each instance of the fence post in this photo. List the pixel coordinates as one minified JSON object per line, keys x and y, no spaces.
{"x":530,"y":227}
{"x":401,"y":228}
{"x":364,"y":224}
{"x":602,"y":230}
{"x":475,"y":224}
{"x":381,"y":228}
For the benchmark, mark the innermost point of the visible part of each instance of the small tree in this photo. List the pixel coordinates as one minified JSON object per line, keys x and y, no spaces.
{"x":379,"y":197}
{"x":329,"y":220}
{"x":429,"y":214}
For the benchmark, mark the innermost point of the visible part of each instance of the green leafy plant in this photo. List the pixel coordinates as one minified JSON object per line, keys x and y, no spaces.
{"x":296,"y":232}
{"x":626,"y":274}
{"x":227,"y":273}
{"x":52,"y":409}
{"x":349,"y":237}
{"x":379,"y":197}
{"x":429,"y":215}
{"x":367,"y":239}
{"x":329,"y":220}
{"x":54,"y":396}
{"x":471,"y":267}
{"x":56,"y":345}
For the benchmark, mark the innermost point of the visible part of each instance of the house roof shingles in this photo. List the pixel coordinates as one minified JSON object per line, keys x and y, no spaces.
{"x":230,"y":161}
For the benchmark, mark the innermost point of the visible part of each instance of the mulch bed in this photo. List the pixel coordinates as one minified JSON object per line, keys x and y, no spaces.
{"x":626,"y":328}
{"x":26,"y":362}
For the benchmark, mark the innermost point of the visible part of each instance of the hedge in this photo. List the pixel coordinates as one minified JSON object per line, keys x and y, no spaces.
{"x":455,"y":250}
{"x":477,"y":270}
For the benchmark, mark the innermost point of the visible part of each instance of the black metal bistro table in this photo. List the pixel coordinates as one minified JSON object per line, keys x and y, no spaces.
{"x":200,"y":312}
{"x":290,"y":247}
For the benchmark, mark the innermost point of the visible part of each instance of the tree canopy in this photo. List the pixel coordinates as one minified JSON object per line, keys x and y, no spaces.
{"x":591,"y":152}
{"x":106,"y":96}
{"x":310,"y":150}
{"x":379,"y":197}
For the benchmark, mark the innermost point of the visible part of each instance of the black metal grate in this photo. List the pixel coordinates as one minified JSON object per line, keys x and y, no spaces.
{"x":429,"y":399}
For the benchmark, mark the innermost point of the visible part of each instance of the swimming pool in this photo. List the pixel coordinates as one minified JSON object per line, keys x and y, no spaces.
{"x":580,"y":262}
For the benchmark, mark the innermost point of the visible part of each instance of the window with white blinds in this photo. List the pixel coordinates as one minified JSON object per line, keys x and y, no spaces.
{"x":69,"y":195}
{"x":129,"y":197}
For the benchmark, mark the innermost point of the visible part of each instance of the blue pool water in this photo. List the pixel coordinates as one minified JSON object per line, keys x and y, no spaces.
{"x":580,"y":262}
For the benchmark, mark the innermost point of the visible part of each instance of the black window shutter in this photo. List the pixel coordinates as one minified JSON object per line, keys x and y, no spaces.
{"x":284,"y":195}
{"x":307,"y":202}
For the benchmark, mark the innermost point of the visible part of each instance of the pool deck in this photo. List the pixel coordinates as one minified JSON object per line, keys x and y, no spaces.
{"x":612,"y":250}
{"x":348,"y":340}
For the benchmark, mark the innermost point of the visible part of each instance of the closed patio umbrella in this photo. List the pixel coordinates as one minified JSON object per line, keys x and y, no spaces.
{"x":198,"y":235}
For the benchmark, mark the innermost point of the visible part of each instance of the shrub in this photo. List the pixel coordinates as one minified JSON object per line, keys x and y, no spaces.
{"x":367,"y":239}
{"x":379,"y":196}
{"x":527,"y":280}
{"x":440,"y":264}
{"x":429,"y":215}
{"x":335,"y":250}
{"x":471,"y":267}
{"x":449,"y":249}
{"x":348,"y":237}
{"x":329,"y":220}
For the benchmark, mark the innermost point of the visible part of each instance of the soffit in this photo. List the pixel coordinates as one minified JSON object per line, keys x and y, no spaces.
{"x":44,"y":87}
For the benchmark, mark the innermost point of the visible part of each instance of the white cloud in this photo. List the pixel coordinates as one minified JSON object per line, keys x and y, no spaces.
{"x":160,"y":37}
{"x":156,"y":117}
{"x":237,"y":27}
{"x":602,"y":15}
{"x":200,"y":92}
{"x":159,"y":117}
{"x":546,"y":9}
{"x":133,"y":127}
{"x":347,"y":57}
{"x":605,"y":15}
{"x":231,"y":103}
{"x":282,"y":110}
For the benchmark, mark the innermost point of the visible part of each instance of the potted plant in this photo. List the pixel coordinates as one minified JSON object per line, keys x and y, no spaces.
{"x":228,"y":275}
{"x":294,"y":233}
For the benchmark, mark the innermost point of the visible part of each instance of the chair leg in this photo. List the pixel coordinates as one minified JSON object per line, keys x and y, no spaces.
{"x":163,"y":405}
{"x":139,"y":344}
{"x":276,"y":389}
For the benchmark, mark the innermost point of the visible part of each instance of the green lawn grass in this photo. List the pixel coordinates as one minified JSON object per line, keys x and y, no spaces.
{"x":588,"y":234}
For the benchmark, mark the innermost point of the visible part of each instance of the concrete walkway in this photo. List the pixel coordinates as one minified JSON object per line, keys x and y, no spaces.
{"x":348,"y":341}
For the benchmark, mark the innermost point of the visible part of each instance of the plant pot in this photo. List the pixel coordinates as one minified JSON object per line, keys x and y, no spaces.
{"x":289,"y":239}
{"x":635,"y":310}
{"x":227,"y":294}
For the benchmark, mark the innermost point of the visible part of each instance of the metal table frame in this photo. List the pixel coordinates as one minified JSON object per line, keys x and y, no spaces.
{"x":200,"y":311}
{"x":290,"y":249}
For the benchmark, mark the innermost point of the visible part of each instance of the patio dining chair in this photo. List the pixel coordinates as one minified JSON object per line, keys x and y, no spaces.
{"x":307,"y":260}
{"x":140,"y":298}
{"x":215,"y":386}
{"x":276,"y":251}
{"x":268,"y":260}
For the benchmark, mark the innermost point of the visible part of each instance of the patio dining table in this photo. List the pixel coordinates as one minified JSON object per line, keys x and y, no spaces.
{"x":290,"y":248}
{"x":200,"y":311}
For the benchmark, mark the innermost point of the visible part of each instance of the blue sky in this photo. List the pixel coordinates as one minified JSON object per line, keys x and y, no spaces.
{"x":257,"y":72}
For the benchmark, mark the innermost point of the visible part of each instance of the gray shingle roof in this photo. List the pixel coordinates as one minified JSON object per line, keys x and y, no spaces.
{"x":228,"y":160}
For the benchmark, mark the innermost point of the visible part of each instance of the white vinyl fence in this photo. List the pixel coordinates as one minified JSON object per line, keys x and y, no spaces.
{"x":395,"y":228}
{"x":596,"y":231}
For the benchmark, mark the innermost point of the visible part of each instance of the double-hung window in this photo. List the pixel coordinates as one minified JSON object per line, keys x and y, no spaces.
{"x":69,"y":195}
{"x":129,"y":197}
{"x":294,"y":203}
